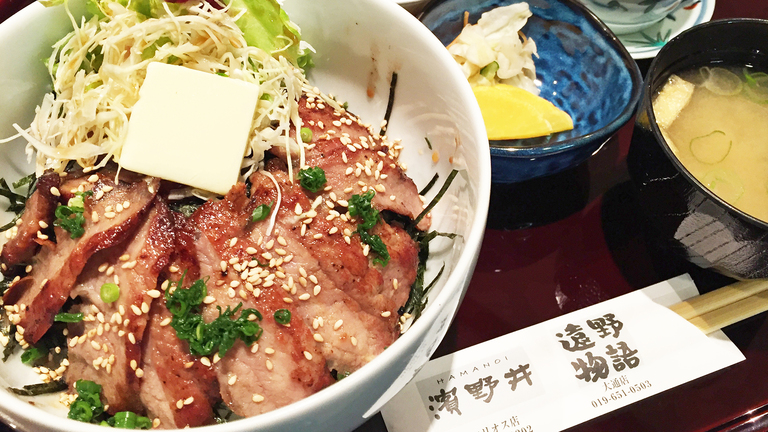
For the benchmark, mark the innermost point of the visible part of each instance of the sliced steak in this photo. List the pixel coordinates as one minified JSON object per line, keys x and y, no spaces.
{"x":177,"y":388}
{"x":106,"y":346}
{"x":355,"y":159}
{"x":285,"y":365}
{"x":318,"y":275}
{"x":38,"y":213}
{"x":35,"y":299}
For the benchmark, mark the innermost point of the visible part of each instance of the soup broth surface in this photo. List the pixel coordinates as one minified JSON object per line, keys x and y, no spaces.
{"x":721,"y":134}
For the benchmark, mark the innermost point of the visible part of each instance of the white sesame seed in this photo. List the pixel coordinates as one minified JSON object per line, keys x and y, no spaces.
{"x":304,"y":296}
{"x":139,"y":373}
{"x":232,"y":380}
{"x":258,"y":398}
{"x":338,"y":324}
{"x":205,"y":361}
{"x":318,"y":337}
{"x":386,"y":314}
{"x":353,"y":340}
{"x":55,"y":191}
{"x":189,"y":400}
{"x":269,"y":365}
{"x":307,"y":355}
{"x":135,"y":309}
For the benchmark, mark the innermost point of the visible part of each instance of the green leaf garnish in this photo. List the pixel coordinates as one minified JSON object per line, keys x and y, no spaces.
{"x":217,"y":336}
{"x":312,"y":179}
{"x":359,"y":206}
{"x":261,"y":212}
{"x":33,"y":353}
{"x":69,"y":317}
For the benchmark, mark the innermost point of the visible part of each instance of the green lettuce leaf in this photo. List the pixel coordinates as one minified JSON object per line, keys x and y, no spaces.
{"x":266,"y":25}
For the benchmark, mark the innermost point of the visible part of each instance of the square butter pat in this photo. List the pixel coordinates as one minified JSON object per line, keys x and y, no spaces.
{"x":190,"y":127}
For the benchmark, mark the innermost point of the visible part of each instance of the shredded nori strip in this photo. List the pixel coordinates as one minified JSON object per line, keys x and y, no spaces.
{"x":390,"y":103}
{"x":417,"y":299}
{"x":12,"y":343}
{"x":16,"y":201}
{"x":435,"y":200}
{"x":430,"y":184}
{"x":40,"y":388}
{"x":186,"y":206}
{"x":222,"y":413}
{"x":429,"y":143}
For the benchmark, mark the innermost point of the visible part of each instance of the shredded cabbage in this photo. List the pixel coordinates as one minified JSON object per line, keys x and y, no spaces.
{"x":497,"y":38}
{"x":97,"y":71}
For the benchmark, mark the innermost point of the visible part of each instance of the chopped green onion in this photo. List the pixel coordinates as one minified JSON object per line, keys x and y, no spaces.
{"x":109,"y":292}
{"x":33,"y":353}
{"x":312,"y":179}
{"x":306,"y":134}
{"x":88,"y":404}
{"x":70,"y":217}
{"x":360,"y":205}
{"x":69,"y":317}
{"x":261,"y":212}
{"x":129,"y":420}
{"x":283,"y":316}
{"x":711,"y":148}
{"x":217,"y":336}
{"x":489,"y":71}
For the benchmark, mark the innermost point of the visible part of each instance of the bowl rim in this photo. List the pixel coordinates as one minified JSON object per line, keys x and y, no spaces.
{"x":18,"y":412}
{"x":547,"y":149}
{"x":655,"y":69}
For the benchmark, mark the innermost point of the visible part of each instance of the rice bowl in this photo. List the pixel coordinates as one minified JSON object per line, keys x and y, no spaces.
{"x":355,"y":57}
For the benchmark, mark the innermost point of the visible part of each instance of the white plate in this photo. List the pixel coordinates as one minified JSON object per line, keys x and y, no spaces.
{"x":646,"y":43}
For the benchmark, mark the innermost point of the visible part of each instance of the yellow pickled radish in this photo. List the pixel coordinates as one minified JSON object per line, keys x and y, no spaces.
{"x":511,"y":113}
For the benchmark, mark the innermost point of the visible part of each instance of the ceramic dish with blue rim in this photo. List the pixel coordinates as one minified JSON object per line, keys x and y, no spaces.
{"x":581,"y":67}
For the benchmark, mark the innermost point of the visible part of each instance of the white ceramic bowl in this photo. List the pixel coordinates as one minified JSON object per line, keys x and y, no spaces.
{"x":359,"y":43}
{"x":412,"y":6}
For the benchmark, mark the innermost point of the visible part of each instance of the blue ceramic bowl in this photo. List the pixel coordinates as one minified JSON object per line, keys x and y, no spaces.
{"x":583,"y":69}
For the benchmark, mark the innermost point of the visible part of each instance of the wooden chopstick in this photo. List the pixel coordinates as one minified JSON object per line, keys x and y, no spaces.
{"x":725,"y":306}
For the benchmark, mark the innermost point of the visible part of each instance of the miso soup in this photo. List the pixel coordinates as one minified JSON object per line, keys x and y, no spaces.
{"x":715,"y":119}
